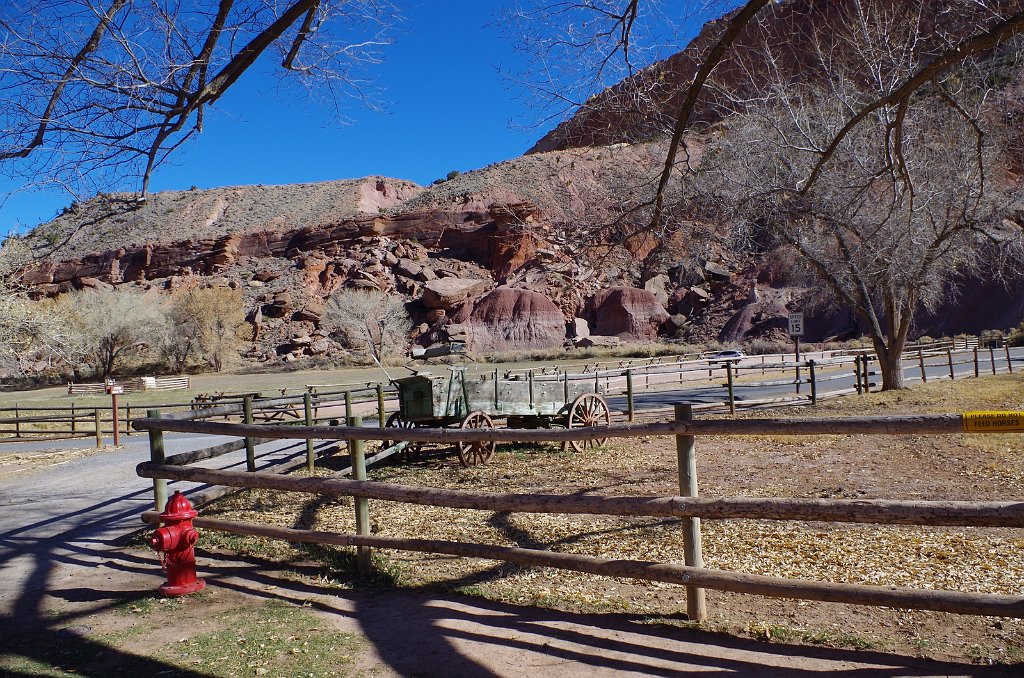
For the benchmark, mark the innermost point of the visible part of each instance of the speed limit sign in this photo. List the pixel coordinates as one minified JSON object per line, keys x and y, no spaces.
{"x":796,"y":324}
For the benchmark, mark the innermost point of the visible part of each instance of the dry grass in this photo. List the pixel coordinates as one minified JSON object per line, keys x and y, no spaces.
{"x":932,"y":467}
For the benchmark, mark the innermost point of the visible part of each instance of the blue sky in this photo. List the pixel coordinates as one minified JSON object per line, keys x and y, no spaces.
{"x":446,"y":108}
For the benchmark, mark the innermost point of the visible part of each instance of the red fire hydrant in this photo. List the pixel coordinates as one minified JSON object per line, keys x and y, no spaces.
{"x":176,"y":541}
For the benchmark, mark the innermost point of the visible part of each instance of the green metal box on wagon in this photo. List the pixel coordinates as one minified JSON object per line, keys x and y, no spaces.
{"x":425,"y":397}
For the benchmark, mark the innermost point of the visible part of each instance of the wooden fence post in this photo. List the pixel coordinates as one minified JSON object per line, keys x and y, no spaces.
{"x":696,"y":600}
{"x":307,"y":407}
{"x":156,"y":456}
{"x":348,"y":405}
{"x":17,"y":422}
{"x":380,"y":405}
{"x":949,"y":356}
{"x":867,"y":374}
{"x":992,"y":357}
{"x":856,"y":373}
{"x":976,"y":371}
{"x":99,"y":428}
{"x":1009,"y":365}
{"x":127,"y":419}
{"x":115,"y":425}
{"x":920,"y":361}
{"x":250,"y":448}
{"x":629,"y":393}
{"x":814,"y":382}
{"x":732,"y":395}
{"x":362,"y":504}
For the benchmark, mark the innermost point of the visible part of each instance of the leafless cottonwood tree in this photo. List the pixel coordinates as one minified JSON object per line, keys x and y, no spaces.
{"x":205,"y":324}
{"x":95,"y":93}
{"x":861,"y":133}
{"x":370,"y":322}
{"x":34,"y":336}
{"x":111,"y":326}
{"x":911,"y":197}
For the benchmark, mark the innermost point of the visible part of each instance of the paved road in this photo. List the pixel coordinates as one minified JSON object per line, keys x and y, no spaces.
{"x":717,"y":393}
{"x":75,"y":511}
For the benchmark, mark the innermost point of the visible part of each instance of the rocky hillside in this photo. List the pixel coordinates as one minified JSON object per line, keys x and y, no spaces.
{"x":644,"y":106}
{"x":502,"y":257}
{"x":505,"y":257}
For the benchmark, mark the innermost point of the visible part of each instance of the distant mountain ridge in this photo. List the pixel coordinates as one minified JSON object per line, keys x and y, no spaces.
{"x":512,"y":230}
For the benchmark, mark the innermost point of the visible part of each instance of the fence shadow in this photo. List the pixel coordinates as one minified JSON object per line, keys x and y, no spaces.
{"x":430,"y":633}
{"x":413,"y":632}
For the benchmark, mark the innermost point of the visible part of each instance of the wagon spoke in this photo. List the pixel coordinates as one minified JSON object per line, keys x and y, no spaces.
{"x":588,"y":410}
{"x":474,"y":453}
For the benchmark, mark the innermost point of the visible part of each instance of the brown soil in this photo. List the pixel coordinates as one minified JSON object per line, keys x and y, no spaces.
{"x":432,"y":616}
{"x":894,"y":467}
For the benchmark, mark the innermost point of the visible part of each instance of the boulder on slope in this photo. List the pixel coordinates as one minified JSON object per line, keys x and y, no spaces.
{"x":447,"y":293}
{"x":509,"y":319}
{"x":628,"y":313}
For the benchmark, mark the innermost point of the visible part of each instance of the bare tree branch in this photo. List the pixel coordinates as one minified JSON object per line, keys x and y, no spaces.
{"x":105,"y":96}
{"x":732,"y":29}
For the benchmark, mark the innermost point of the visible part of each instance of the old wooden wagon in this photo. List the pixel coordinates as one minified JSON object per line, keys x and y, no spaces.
{"x":455,"y":399}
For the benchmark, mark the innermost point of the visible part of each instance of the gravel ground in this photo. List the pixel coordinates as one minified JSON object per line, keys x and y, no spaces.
{"x":894,"y":467}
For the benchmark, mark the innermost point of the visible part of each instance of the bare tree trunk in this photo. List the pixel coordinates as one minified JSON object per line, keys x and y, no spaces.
{"x":890,"y":363}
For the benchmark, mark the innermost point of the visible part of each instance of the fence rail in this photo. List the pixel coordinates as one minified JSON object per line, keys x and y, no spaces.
{"x":76,"y":421}
{"x":720,"y":383}
{"x":687,"y":506}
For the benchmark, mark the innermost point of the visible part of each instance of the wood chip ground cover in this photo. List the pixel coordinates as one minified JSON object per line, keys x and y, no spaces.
{"x":895,"y":467}
{"x":27,"y":462}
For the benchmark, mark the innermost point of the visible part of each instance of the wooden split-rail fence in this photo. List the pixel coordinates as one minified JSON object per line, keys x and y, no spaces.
{"x":717,"y":383}
{"x":27,"y":422}
{"x":687,"y":506}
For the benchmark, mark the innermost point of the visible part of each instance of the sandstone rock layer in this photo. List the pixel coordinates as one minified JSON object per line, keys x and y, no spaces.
{"x":629,"y":313}
{"x":508,"y":319}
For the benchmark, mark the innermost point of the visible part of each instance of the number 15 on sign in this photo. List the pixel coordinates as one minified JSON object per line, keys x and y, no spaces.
{"x":796,"y":324}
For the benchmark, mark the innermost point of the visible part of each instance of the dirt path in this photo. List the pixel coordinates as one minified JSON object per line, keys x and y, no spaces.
{"x":75,"y":600}
{"x":79,"y":612}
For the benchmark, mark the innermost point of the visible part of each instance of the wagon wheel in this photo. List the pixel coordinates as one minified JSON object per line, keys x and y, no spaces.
{"x":589,"y":409}
{"x":471,"y":454}
{"x":412,"y":449}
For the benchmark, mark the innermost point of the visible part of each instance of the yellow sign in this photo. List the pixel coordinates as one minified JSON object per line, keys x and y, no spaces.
{"x":993,"y":422}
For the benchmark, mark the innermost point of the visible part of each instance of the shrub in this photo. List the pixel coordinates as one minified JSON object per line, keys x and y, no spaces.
{"x":372,"y":323}
{"x":205,"y":324}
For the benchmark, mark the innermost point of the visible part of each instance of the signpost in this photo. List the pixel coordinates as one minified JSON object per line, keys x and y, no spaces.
{"x":114,"y":390}
{"x":796,"y":330}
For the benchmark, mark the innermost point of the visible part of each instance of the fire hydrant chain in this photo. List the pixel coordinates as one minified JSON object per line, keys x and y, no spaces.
{"x":175,"y":542}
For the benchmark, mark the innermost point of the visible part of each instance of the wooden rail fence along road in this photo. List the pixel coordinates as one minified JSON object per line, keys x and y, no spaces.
{"x":21,"y":422}
{"x":687,"y":506}
{"x":709,"y":384}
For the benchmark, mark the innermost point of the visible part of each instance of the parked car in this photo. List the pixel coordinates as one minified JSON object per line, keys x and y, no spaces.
{"x":729,"y":353}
